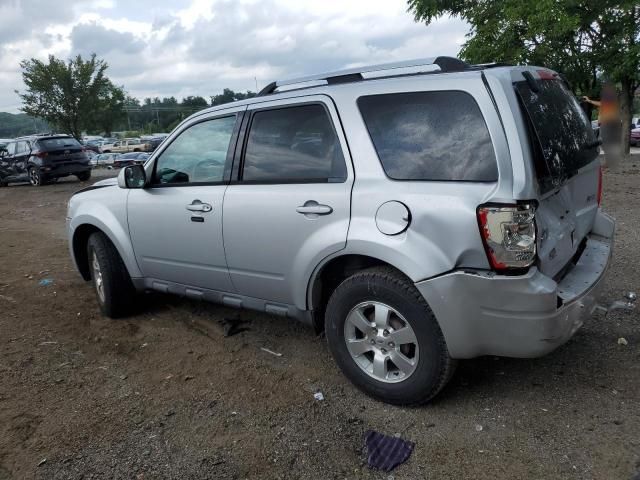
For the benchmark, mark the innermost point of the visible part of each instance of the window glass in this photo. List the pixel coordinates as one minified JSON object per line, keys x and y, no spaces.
{"x":293,"y":144}
{"x":563,"y":139}
{"x":430,"y":136}
{"x":63,"y":142}
{"x":22,"y":147}
{"x":198,"y":155}
{"x":11,"y":148}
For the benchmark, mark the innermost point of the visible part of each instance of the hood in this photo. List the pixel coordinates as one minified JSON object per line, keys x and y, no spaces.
{"x":106,"y":182}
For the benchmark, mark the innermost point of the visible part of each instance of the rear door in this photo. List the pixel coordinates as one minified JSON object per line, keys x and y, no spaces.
{"x":566,"y":160}
{"x":290,"y":205}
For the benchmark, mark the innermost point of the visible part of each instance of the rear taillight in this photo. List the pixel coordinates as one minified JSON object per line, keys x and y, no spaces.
{"x":599,"y":196}
{"x":509,"y":235}
{"x":41,"y":154}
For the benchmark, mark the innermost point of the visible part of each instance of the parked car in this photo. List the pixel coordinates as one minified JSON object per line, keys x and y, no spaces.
{"x":104,"y":159}
{"x":634,"y":139}
{"x":420,"y":219}
{"x":124,"y":146}
{"x":153,"y":143}
{"x":126,"y":159}
{"x":42,"y":159}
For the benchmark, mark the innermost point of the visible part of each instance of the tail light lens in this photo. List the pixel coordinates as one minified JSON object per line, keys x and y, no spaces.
{"x":599,"y":197}
{"x":41,"y":154}
{"x":509,"y":235}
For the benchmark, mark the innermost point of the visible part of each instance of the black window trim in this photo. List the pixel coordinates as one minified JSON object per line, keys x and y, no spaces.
{"x":226,"y":175}
{"x":239,"y":158}
{"x":480,"y":182}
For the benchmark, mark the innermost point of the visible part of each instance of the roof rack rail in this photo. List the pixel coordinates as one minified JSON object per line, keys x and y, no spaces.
{"x":446,"y":64}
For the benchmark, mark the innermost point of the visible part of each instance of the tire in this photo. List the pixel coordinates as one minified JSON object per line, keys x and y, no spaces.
{"x":35,"y":178}
{"x":111,"y":281}
{"x":425,"y":358}
{"x":84,"y":176}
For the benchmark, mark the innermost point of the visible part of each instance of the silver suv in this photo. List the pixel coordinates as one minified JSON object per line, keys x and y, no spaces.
{"x":420,"y":212}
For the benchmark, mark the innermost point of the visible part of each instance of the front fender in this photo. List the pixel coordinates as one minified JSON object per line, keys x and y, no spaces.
{"x":109,"y":217}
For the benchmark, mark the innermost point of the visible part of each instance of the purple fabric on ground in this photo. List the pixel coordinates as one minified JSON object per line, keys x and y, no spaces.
{"x":386,"y":453}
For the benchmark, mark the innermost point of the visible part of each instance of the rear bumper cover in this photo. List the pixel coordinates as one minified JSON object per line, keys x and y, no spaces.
{"x":62,"y":170}
{"x":481,"y":313}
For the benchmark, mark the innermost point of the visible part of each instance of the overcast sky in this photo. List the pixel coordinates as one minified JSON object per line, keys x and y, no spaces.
{"x":198,"y":47}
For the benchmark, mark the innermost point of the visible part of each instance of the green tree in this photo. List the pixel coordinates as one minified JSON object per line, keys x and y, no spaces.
{"x":73,"y":95}
{"x":584,"y":40}
{"x":229,"y":95}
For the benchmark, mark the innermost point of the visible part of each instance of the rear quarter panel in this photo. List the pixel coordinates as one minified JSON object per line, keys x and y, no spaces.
{"x":443,"y":234}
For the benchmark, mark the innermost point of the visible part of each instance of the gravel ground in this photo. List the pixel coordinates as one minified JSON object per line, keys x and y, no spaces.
{"x":164,"y":394}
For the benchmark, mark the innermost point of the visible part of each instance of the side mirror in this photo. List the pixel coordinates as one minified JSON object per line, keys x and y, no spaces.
{"x":132,"y":176}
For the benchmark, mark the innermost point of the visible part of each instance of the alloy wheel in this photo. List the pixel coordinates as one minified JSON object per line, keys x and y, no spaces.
{"x":381,"y":342}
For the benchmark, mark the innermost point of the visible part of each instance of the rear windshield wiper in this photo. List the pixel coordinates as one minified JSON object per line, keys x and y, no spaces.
{"x":590,"y":145}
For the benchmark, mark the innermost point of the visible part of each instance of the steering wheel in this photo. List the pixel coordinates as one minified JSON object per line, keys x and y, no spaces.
{"x":207,"y":171}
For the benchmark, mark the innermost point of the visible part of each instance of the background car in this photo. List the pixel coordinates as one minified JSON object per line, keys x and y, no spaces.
{"x":634,"y":139}
{"x":44,"y":158}
{"x":104,"y":159}
{"x":126,"y":159}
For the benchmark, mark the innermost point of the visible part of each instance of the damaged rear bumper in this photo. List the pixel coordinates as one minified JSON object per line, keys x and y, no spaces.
{"x":481,"y":313}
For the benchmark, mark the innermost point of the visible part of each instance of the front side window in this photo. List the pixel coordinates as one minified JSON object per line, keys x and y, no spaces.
{"x":197,"y":155}
{"x":11,"y":148}
{"x":293,"y":144}
{"x":430,"y":136}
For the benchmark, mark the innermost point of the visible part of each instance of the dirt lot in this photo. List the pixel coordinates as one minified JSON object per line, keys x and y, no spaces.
{"x":165,"y":395}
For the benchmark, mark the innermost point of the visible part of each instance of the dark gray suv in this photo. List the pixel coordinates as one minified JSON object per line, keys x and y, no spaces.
{"x":41,"y":159}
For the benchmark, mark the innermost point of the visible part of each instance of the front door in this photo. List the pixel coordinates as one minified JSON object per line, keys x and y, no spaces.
{"x":291,"y":204}
{"x":176,"y":222}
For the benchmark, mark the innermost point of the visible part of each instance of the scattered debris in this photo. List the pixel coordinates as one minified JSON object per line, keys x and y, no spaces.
{"x":123,"y":377}
{"x":188,"y":377}
{"x":479,"y":427}
{"x":318,"y":396}
{"x":48,"y":343}
{"x":7,"y":298}
{"x":271,"y":352}
{"x":170,"y":413}
{"x":45,"y":282}
{"x":42,"y":462}
{"x":386,"y":453}
{"x":168,"y":377}
{"x":233,"y":326}
{"x":622,"y":341}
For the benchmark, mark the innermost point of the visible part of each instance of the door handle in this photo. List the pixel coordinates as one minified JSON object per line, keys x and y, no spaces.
{"x":313,"y":209}
{"x":198,"y":206}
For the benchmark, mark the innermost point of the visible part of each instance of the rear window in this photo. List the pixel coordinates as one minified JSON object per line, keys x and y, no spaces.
{"x":430,"y":136}
{"x":62,"y":142}
{"x":561,"y":134}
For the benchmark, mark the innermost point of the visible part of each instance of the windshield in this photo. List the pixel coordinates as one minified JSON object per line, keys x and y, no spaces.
{"x":561,"y":136}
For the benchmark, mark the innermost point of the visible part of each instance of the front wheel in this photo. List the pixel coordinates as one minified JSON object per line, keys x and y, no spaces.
{"x":385,"y":338}
{"x":84,"y":176}
{"x":35,"y":178}
{"x":111,"y":280}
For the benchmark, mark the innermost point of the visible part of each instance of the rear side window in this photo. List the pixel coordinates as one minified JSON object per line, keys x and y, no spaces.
{"x":53,"y":143}
{"x":430,"y":136}
{"x":293,"y":144}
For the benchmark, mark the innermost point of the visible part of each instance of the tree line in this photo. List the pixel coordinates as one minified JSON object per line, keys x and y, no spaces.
{"x":590,"y":42}
{"x":76,"y":96}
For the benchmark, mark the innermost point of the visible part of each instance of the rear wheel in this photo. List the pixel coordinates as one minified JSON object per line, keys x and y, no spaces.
{"x":112,"y":283}
{"x":35,"y":178}
{"x":84,"y":176}
{"x":385,"y":338}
